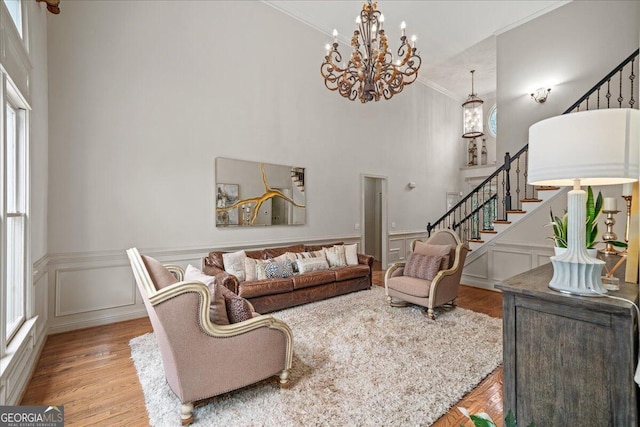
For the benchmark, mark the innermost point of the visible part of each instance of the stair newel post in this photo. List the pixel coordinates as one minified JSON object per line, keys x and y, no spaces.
{"x":507,"y":189}
{"x":429,"y":229}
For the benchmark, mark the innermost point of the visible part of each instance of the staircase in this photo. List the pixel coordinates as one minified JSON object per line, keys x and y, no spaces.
{"x":504,"y":199}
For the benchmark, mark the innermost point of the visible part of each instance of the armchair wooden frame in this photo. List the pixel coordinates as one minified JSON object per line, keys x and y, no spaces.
{"x":207,"y":337}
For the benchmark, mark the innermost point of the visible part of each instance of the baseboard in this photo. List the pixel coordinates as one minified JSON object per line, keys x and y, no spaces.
{"x":89,"y":323}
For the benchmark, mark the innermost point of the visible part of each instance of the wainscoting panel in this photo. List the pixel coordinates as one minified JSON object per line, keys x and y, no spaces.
{"x":79,"y":290}
{"x":502,"y":260}
{"x":399,"y":245}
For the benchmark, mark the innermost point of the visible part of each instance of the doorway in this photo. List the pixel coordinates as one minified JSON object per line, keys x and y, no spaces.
{"x":374,"y":217}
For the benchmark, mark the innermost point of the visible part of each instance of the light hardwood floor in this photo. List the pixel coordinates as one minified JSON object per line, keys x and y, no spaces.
{"x":90,"y":372}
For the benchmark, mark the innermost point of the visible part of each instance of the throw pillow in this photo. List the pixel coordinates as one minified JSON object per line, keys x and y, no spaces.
{"x":422,"y":266}
{"x":160,"y":276}
{"x":311,"y":264}
{"x":351,"y":254}
{"x":234,"y":264}
{"x":300,"y":255}
{"x":238,"y":309}
{"x":336,"y":256}
{"x":271,"y":269}
{"x":250,"y":269}
{"x":217,"y":307}
{"x":436,"y":250}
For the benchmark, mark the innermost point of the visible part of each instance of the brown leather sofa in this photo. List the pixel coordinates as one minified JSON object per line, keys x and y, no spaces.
{"x":268,"y":295}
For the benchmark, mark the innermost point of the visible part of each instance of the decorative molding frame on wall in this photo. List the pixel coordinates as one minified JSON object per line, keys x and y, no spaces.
{"x":95,"y":288}
{"x":399,"y":244}
{"x":503,"y":260}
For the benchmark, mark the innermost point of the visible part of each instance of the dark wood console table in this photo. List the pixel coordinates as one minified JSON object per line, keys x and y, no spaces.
{"x":568,"y":360}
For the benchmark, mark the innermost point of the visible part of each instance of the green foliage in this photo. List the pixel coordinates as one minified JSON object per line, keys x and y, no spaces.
{"x":483,"y":420}
{"x":594,"y":209}
{"x":593,"y":213}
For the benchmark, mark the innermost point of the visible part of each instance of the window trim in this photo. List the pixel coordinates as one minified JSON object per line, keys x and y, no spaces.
{"x":11,"y":96}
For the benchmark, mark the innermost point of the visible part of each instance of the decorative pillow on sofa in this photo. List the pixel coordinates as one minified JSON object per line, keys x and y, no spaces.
{"x":238,"y":309}
{"x":217,"y":308}
{"x":351,"y":254}
{"x":320,"y":253}
{"x":422,"y":266}
{"x":435,"y":250}
{"x":271,"y":269}
{"x":311,"y":264}
{"x":336,"y":256}
{"x":234,"y":264}
{"x":250,"y":269}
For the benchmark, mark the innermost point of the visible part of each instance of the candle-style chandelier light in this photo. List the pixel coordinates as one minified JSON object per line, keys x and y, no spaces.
{"x":371,"y":72}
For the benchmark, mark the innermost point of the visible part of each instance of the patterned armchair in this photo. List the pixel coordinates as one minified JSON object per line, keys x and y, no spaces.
{"x":202,"y":359}
{"x":430,"y":277}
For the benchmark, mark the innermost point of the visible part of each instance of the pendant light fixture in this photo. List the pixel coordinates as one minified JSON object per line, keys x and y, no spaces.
{"x":472,"y":114}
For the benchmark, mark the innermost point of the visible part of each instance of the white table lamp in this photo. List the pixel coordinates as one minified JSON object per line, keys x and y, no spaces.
{"x":597,"y":147}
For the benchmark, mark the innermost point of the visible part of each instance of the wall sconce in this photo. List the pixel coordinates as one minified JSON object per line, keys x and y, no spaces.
{"x":540,"y":95}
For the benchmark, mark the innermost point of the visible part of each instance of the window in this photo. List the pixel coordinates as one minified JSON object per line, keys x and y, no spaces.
{"x":15,"y":187}
{"x":492,"y":121}
{"x":15,"y":10}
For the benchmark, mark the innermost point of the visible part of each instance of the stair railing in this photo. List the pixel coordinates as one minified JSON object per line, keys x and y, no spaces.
{"x":491,"y":201}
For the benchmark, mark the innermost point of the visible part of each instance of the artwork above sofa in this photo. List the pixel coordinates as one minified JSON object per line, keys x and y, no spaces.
{"x":276,"y":278}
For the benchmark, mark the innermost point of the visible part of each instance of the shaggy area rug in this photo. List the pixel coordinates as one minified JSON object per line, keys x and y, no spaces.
{"x":357,"y":362}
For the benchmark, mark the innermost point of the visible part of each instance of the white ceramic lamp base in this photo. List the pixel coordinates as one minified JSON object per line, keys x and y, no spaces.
{"x":574,"y":271}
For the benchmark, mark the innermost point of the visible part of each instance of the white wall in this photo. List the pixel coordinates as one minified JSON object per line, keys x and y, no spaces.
{"x":572,"y":47}
{"x":26,"y":65}
{"x":143,"y":99}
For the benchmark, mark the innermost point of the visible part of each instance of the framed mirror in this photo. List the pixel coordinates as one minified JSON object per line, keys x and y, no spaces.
{"x":250,"y":194}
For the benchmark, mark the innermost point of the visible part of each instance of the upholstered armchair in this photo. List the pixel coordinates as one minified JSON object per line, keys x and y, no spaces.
{"x":202,"y":359}
{"x":430,"y":277}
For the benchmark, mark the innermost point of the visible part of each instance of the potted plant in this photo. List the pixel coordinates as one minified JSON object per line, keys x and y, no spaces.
{"x":594,"y":208}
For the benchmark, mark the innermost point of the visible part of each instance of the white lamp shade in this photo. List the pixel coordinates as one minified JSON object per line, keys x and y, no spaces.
{"x":598,"y":147}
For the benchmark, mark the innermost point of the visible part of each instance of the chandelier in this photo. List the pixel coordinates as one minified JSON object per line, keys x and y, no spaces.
{"x":472,"y":114}
{"x":372,"y":71}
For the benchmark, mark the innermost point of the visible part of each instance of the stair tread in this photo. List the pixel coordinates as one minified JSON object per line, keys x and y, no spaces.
{"x":489,"y":231}
{"x":517,"y":212}
{"x":531,"y":200}
{"x":501,"y":221}
{"x":475,"y":241}
{"x":547,"y":188}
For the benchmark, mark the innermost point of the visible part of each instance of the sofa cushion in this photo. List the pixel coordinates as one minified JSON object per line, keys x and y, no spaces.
{"x":274,"y":252}
{"x":422,"y":266}
{"x":218,"y":307}
{"x":336,"y":256}
{"x":215,"y":259}
{"x":159,"y":274}
{"x":255,"y":254}
{"x":313,"y":278}
{"x":410,"y":286}
{"x":234,"y":263}
{"x":351,"y":272}
{"x":446,"y":251}
{"x":311,"y":248}
{"x":258,"y":288}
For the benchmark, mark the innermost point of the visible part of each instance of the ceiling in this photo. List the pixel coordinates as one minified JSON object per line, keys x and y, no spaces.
{"x":454,"y":37}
